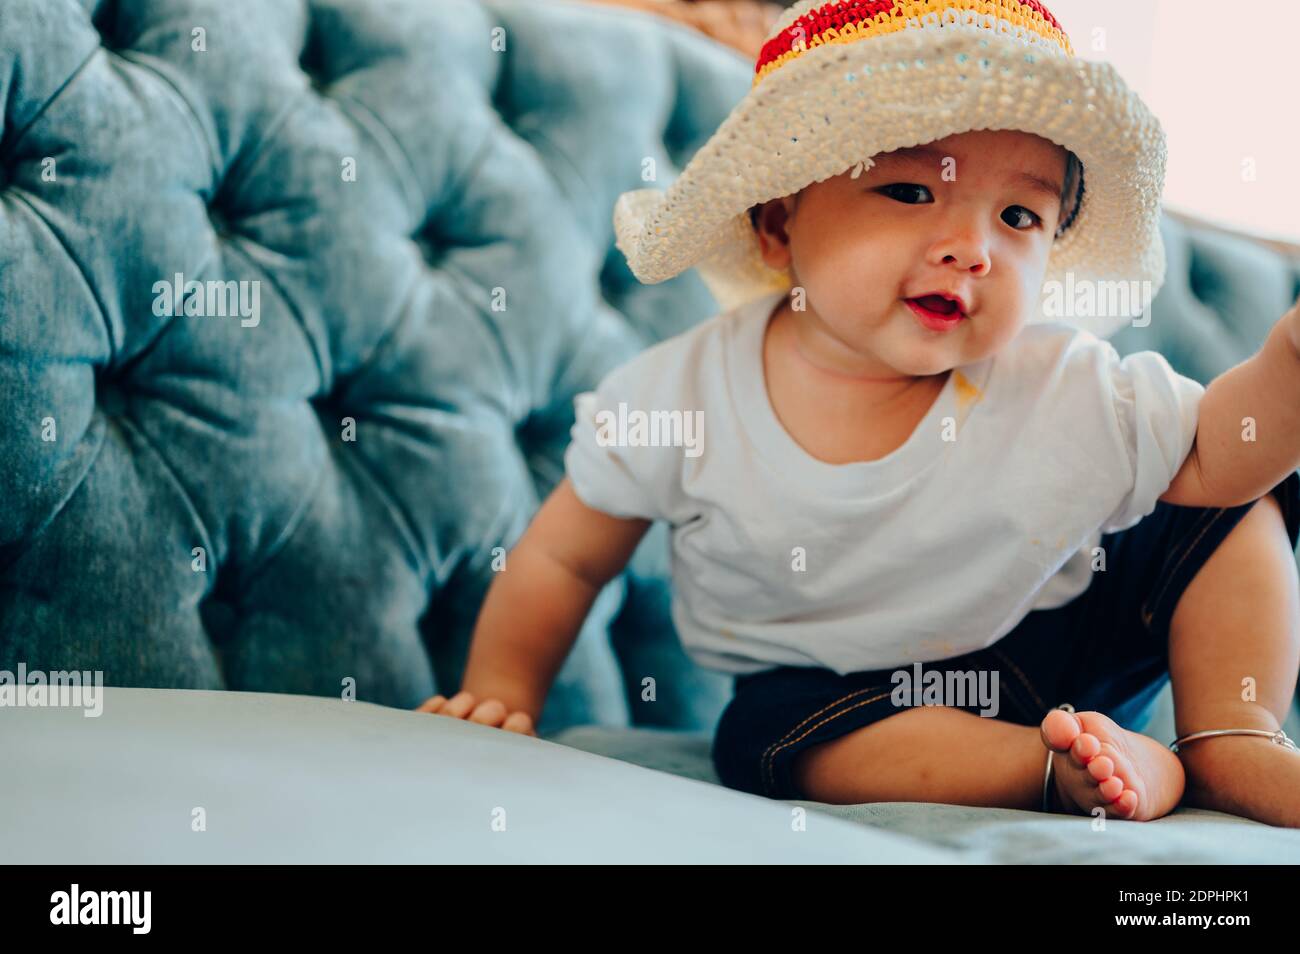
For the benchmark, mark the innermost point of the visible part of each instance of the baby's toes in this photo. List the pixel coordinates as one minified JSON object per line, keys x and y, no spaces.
{"x":1085,"y":748}
{"x":1110,"y":769}
{"x":1101,"y":768}
{"x":1126,"y":805}
{"x":1059,"y":729}
{"x":1111,"y":788}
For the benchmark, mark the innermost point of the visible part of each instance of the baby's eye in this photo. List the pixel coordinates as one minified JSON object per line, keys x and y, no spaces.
{"x":1019,"y":213}
{"x":899,"y":189}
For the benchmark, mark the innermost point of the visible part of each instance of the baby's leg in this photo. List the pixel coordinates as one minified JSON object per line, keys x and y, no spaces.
{"x":929,"y":754}
{"x":1239,"y":620}
{"x":949,"y":755}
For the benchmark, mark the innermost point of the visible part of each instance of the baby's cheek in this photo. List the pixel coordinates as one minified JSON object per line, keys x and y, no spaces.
{"x":828,"y":291}
{"x":860,"y":288}
{"x":1012,"y":318}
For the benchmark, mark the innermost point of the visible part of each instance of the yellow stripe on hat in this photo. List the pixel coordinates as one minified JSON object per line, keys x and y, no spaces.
{"x":848,"y":22}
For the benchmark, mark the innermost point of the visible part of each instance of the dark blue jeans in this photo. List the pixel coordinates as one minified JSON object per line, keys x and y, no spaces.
{"x":1106,"y":650}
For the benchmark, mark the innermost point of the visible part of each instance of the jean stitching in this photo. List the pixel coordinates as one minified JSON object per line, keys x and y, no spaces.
{"x":825,"y":708}
{"x":769,"y":754}
{"x":1148,"y":612}
{"x":1020,"y":675}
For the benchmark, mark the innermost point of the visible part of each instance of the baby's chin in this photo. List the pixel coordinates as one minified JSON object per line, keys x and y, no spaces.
{"x":920,"y":352}
{"x":927,"y":369}
{"x":924,"y":357}
{"x":909,"y":350}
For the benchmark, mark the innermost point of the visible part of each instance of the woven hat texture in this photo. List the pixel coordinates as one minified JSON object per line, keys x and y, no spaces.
{"x":838,"y":83}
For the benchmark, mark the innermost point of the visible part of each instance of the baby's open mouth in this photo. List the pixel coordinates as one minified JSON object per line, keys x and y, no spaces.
{"x":944,"y":306}
{"x":936,"y":312}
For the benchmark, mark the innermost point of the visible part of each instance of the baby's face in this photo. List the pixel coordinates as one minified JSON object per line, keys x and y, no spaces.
{"x":963,"y":214}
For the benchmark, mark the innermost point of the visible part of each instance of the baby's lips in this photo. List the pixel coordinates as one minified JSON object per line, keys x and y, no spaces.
{"x":944,"y":306}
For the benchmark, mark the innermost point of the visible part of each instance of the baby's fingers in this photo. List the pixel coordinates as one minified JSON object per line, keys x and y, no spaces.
{"x":520,"y":722}
{"x":458,"y":706}
{"x":489,"y":712}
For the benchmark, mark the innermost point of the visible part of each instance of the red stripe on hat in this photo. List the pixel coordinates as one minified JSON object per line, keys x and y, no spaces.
{"x":837,"y":13}
{"x":1047,"y":14}
{"x":818,"y":19}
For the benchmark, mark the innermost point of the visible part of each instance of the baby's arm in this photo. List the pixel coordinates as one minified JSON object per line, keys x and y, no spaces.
{"x":1225,"y":467}
{"x":535,"y":607}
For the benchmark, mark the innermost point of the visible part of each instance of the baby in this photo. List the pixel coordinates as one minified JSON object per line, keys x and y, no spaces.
{"x":902,"y":466}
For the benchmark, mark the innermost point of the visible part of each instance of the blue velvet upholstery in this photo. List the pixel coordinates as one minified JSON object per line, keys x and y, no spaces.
{"x":450,"y":301}
{"x":422,"y":191}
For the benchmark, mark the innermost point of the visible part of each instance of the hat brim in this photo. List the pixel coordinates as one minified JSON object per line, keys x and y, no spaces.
{"x":840,"y":104}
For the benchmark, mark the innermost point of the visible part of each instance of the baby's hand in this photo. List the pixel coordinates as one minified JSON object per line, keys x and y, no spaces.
{"x":491,"y":712}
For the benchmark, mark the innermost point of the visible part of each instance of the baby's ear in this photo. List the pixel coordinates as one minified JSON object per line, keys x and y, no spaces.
{"x":769,"y":220}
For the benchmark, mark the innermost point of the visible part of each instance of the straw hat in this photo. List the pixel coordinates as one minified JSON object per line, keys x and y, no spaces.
{"x":838,"y":83}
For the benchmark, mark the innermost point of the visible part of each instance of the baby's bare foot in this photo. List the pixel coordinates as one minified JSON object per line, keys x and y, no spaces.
{"x":1097,"y":763}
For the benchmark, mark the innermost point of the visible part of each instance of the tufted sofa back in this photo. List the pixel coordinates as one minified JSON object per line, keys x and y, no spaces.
{"x":295,"y":296}
{"x":295,"y":299}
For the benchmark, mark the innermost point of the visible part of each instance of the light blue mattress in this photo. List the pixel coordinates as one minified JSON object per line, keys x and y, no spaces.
{"x":995,"y":835}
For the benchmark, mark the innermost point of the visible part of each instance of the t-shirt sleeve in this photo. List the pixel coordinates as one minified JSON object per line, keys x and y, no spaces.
{"x":606,"y":476}
{"x":1156,"y":410}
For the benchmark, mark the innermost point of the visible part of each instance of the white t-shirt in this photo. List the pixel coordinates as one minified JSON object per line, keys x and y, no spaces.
{"x":989,"y":509}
